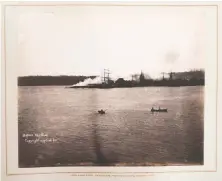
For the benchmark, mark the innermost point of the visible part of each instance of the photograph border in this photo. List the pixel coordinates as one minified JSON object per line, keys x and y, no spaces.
{"x":4,"y":82}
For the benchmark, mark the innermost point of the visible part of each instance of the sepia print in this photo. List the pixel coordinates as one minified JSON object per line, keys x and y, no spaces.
{"x":111,"y":86}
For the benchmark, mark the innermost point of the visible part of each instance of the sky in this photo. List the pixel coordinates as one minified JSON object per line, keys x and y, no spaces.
{"x":84,"y":40}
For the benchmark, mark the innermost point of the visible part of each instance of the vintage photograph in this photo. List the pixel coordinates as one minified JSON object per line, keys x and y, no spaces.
{"x":111,"y":85}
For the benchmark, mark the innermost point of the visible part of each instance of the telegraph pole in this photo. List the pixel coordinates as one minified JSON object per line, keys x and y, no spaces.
{"x":163,"y":75}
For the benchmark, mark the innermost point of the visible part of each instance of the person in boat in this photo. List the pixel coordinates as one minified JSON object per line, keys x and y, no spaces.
{"x":101,"y":111}
{"x":158,"y":110}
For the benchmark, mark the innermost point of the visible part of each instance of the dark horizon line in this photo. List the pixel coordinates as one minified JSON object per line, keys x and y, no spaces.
{"x":58,"y":76}
{"x":73,"y":75}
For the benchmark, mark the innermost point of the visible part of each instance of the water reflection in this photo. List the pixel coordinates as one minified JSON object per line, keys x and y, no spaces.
{"x":100,"y":157}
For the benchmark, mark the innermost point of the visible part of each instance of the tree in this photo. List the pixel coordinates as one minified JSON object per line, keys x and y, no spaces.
{"x":120,"y":82}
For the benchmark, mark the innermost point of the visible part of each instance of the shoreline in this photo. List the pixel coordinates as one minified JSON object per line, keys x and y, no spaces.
{"x":98,"y":87}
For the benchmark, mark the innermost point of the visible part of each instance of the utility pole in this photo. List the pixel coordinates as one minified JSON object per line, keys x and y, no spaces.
{"x":134,"y":76}
{"x":171,"y":75}
{"x":163,"y":75}
{"x":104,"y":76}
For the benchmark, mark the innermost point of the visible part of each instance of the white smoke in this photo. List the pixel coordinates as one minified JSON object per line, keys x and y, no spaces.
{"x":88,"y":81}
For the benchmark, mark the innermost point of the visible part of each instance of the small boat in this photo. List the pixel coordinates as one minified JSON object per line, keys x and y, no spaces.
{"x":101,"y":111}
{"x":158,"y":110}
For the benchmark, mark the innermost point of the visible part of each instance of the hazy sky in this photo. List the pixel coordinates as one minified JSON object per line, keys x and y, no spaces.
{"x":85,"y":40}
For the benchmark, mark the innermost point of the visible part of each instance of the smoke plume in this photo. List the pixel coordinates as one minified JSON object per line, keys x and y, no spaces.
{"x":88,"y":81}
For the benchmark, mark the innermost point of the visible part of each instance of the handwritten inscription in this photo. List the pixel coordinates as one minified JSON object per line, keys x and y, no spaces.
{"x":33,"y":138}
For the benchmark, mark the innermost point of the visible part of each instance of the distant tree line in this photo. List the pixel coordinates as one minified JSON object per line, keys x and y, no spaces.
{"x":189,"y":78}
{"x":193,"y":74}
{"x":177,"y":82}
{"x":50,"y":80}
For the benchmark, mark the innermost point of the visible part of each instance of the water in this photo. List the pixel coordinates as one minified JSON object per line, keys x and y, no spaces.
{"x":128,"y":133}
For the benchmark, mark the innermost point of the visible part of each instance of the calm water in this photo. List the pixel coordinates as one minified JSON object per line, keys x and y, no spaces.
{"x":128,"y":133}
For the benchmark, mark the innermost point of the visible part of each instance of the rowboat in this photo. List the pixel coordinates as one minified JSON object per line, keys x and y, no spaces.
{"x":158,"y":110}
{"x":101,"y":111}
